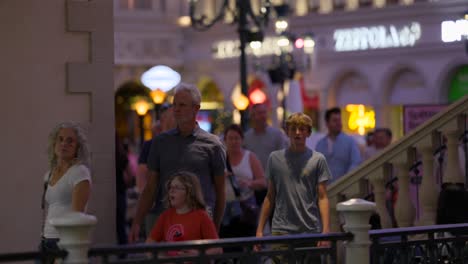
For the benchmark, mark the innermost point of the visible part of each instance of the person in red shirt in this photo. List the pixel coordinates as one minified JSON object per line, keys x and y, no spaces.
{"x":186,"y":217}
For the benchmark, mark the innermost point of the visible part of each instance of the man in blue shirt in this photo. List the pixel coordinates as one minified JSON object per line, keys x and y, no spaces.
{"x":340,"y":150}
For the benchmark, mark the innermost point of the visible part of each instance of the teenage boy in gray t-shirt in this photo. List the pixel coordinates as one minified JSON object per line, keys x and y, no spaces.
{"x":297,"y":188}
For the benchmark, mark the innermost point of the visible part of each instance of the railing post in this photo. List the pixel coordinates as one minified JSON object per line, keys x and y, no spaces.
{"x":74,"y":229}
{"x":404,"y":209}
{"x":356,"y":213}
{"x":378,"y":184}
{"x":429,"y":192}
{"x":452,"y":172}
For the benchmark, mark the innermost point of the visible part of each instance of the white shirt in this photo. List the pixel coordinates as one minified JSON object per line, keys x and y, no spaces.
{"x":59,"y":196}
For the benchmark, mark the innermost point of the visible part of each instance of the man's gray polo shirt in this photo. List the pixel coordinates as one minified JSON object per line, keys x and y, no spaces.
{"x":201,"y":153}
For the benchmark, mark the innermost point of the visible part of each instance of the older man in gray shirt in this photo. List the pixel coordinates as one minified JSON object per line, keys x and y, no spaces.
{"x":262,"y":139}
{"x":186,"y":147}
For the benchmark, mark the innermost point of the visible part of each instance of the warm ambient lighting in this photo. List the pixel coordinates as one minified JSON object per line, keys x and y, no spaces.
{"x":210,"y":105}
{"x":360,"y":119}
{"x":158,"y":96}
{"x":257,"y":97}
{"x":141,"y":107}
{"x":184,"y":21}
{"x":241,"y":102}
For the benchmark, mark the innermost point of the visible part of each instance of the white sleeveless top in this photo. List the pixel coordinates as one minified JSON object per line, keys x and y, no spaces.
{"x":243,"y":170}
{"x":59,"y":196}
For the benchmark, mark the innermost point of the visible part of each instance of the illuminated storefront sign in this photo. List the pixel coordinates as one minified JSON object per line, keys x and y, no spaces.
{"x":454,"y":30}
{"x":376,"y":37}
{"x":226,"y":49}
{"x":360,"y":119}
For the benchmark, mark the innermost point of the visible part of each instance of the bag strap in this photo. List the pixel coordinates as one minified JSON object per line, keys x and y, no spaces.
{"x":232,"y":180}
{"x":46,"y":184}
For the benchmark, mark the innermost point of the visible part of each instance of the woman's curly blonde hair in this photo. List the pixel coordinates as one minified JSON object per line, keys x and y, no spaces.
{"x":82,"y":153}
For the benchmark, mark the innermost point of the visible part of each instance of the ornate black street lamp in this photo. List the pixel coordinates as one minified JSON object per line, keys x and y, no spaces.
{"x":248,"y":23}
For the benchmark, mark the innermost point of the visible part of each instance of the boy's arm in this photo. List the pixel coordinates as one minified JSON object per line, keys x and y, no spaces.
{"x":324,"y":207}
{"x":266,"y":208}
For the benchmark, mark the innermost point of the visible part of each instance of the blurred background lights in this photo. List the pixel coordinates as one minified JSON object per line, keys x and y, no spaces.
{"x":299,"y":43}
{"x":160,"y":77}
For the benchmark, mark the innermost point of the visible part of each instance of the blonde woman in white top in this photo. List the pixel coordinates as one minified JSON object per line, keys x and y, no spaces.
{"x":67,"y":183}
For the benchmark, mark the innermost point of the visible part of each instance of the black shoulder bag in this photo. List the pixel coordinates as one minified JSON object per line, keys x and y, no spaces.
{"x":249,"y":208}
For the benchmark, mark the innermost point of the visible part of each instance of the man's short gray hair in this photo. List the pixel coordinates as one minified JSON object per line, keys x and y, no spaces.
{"x":192,"y":89}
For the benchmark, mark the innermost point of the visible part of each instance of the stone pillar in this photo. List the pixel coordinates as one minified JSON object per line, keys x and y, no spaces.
{"x":429,"y":192}
{"x":356,"y":213}
{"x":74,"y":231}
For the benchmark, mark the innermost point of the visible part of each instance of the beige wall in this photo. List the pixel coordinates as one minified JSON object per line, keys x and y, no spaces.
{"x":38,"y":90}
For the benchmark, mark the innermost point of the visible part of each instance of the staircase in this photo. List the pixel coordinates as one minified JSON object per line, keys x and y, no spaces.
{"x":397,"y":159}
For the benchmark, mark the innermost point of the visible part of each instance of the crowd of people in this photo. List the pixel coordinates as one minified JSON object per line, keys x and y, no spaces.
{"x":193,"y":185}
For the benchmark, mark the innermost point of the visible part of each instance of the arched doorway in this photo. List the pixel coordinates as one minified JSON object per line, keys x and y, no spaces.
{"x":126,"y":118}
{"x":211,"y":114}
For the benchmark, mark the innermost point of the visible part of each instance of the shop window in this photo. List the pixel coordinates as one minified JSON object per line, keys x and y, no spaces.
{"x":458,"y":84}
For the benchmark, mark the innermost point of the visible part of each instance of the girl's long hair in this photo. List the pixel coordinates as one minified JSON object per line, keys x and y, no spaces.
{"x":193,"y":188}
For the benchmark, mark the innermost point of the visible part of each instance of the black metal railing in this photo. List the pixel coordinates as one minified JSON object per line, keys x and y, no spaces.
{"x":427,"y":244}
{"x":278,"y":249}
{"x":33,"y":255}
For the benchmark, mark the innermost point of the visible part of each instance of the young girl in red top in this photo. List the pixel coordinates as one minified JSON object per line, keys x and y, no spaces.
{"x":186,"y":217}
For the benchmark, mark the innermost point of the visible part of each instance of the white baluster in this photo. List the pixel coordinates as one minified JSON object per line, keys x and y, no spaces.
{"x":356,"y":213}
{"x":452,"y":173}
{"x":74,"y":229}
{"x":378,"y":184}
{"x":404,"y":209}
{"x":428,"y":191}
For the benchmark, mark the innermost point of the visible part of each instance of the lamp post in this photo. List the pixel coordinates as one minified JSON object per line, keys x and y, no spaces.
{"x":247,"y":23}
{"x":141,"y":107}
{"x":158,"y":96}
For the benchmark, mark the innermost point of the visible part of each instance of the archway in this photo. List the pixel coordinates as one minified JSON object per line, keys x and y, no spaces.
{"x":126,"y":119}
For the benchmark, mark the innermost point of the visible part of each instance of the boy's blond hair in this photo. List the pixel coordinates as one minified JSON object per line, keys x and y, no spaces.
{"x":299,"y":119}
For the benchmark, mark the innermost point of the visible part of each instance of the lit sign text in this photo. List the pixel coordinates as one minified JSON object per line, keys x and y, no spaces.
{"x":454,"y":30}
{"x":376,"y":37}
{"x":226,"y":49}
